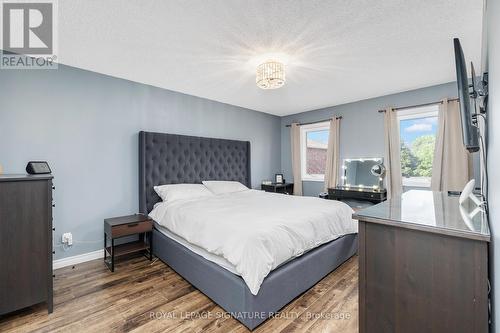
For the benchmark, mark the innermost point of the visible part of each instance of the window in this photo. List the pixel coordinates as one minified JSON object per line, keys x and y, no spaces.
{"x":417,"y":128}
{"x":314,"y":144}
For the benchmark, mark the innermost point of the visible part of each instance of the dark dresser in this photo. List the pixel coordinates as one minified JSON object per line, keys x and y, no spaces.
{"x":423,"y":266}
{"x":25,"y":241}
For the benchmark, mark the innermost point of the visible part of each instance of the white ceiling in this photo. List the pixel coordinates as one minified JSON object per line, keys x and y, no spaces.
{"x":336,"y":51}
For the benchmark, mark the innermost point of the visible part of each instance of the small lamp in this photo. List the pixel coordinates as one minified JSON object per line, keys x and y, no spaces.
{"x":378,"y":170}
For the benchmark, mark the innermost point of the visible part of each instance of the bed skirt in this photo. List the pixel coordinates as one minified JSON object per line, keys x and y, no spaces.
{"x":280,"y":287}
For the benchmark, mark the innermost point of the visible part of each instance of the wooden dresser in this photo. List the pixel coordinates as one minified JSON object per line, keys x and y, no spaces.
{"x":423,"y":267}
{"x":25,"y":241}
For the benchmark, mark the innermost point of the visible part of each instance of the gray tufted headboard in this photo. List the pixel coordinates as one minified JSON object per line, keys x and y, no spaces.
{"x":175,"y":159}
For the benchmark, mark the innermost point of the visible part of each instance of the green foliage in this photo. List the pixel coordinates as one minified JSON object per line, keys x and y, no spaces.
{"x":423,"y":148}
{"x":416,"y":161}
{"x":408,"y":161}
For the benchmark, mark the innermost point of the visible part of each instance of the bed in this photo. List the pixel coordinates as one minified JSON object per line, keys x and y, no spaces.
{"x":175,"y":159}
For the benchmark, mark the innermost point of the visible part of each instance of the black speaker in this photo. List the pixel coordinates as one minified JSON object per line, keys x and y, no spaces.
{"x":38,"y":168}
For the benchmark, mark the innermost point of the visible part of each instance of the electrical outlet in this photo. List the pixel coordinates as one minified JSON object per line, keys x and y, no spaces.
{"x":67,"y":238}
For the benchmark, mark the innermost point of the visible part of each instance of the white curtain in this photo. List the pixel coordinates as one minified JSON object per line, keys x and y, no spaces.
{"x":296,"y":165}
{"x":451,"y":166}
{"x":333,"y":154}
{"x":392,"y":159}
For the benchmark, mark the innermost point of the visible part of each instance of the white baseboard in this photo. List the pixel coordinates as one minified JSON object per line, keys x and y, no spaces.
{"x":78,"y":259}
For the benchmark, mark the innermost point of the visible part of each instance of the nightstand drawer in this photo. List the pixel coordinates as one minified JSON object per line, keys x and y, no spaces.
{"x":285,"y":188}
{"x":131,"y":228}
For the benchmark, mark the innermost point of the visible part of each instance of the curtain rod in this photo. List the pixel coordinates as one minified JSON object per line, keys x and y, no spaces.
{"x":315,"y":122}
{"x":418,"y":105}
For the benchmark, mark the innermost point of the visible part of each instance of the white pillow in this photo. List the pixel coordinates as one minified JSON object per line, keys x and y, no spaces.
{"x":174,"y":192}
{"x":221,"y":187}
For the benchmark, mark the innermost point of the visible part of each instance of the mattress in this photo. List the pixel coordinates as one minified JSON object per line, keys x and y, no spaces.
{"x":216,"y":259}
{"x":251,"y":233}
{"x":219,"y":260}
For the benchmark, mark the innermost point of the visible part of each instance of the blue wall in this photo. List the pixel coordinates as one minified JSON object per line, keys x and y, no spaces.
{"x":85,"y":125}
{"x":361,"y":127}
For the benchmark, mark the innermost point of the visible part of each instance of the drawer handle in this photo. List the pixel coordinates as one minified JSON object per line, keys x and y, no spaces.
{"x":132,"y":225}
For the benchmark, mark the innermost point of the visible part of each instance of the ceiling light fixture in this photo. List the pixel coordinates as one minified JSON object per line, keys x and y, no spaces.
{"x":270,"y":75}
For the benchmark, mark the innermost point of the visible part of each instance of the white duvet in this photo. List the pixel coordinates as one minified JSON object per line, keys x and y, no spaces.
{"x":256,"y":231}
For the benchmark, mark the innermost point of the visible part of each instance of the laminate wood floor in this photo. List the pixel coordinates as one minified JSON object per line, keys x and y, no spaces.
{"x":145,"y":297}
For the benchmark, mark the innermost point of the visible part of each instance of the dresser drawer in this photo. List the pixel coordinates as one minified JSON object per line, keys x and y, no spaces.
{"x":365,"y":194}
{"x":131,"y":228}
{"x":368,"y":195}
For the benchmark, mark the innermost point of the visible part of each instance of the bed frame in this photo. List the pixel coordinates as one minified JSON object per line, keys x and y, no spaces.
{"x":174,"y":159}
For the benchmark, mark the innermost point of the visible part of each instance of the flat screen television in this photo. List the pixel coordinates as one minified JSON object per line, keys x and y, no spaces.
{"x":470,"y":133}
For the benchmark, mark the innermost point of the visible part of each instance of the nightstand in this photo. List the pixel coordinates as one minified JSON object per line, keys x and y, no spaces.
{"x":117,"y":227}
{"x":285,"y":188}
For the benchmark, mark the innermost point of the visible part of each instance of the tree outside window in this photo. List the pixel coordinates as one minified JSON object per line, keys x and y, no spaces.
{"x":418,"y":128}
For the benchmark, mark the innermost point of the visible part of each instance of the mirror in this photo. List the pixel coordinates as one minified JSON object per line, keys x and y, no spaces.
{"x":363,"y":173}
{"x":378,"y":170}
